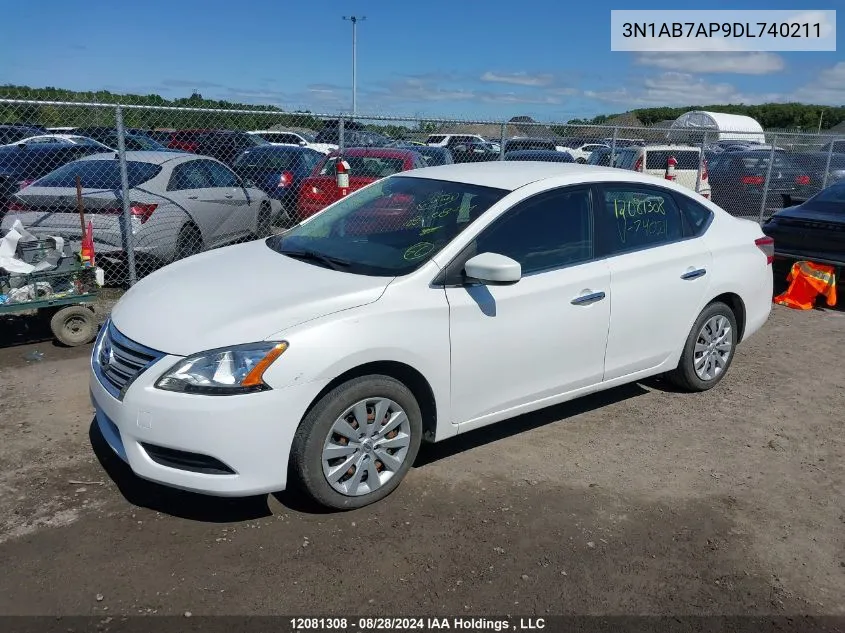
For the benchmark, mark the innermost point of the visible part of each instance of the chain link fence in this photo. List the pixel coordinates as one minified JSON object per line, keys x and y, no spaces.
{"x":154,"y":184}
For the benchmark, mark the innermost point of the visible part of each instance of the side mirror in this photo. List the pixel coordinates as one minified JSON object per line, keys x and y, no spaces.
{"x":460,"y":148}
{"x":303,"y":143}
{"x":493,"y":269}
{"x":247,"y":183}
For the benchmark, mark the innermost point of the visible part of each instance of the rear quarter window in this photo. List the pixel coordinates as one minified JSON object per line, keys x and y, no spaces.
{"x":695,"y":216}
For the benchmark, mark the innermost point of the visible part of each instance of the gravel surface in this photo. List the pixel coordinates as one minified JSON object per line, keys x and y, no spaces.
{"x":640,"y":500}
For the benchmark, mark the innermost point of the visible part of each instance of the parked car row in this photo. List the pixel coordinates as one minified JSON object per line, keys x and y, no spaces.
{"x":240,"y":184}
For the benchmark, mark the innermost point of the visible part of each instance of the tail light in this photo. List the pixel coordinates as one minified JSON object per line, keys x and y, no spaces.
{"x":638,"y":166}
{"x":25,"y":183}
{"x":143,"y":211}
{"x":705,"y":175}
{"x":753,"y":180}
{"x":802,"y":180}
{"x":16,"y":207}
{"x":767,"y":245}
{"x":285,"y":180}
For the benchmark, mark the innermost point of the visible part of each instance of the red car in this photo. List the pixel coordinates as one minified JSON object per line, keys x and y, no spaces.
{"x":366,"y":165}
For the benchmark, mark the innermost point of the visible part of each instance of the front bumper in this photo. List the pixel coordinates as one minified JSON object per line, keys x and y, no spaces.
{"x":250,"y":434}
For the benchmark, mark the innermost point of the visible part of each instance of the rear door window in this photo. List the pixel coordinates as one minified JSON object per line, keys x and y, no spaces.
{"x":631,"y":217}
{"x":189,"y":175}
{"x":220,"y":175}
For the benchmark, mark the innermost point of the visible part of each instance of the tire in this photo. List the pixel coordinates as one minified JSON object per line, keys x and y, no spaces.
{"x":189,"y":241}
{"x":74,"y":326}
{"x":685,"y":375}
{"x":264,"y":223}
{"x":580,"y":160}
{"x":317,"y":431}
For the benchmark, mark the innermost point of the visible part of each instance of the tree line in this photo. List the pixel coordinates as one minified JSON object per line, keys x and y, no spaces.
{"x":802,"y":116}
{"x":770,"y":115}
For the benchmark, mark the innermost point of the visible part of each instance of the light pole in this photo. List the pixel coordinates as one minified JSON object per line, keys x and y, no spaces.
{"x":355,"y":19}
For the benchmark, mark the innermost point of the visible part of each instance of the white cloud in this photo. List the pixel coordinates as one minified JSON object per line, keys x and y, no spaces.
{"x":828,"y":88}
{"x":677,"y":89}
{"x":716,"y":62}
{"x":518,"y":79}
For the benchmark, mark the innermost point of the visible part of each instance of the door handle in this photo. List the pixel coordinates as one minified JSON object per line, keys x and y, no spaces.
{"x":694,"y":274}
{"x":588,"y":298}
{"x":229,"y":195}
{"x":193,"y":197}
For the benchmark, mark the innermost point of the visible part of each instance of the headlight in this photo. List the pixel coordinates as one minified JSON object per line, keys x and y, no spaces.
{"x":223,"y":372}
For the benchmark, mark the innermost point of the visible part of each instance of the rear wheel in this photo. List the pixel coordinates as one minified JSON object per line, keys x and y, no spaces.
{"x":358,"y":442}
{"x":581,"y":160}
{"x":189,"y":241}
{"x":709,"y":350}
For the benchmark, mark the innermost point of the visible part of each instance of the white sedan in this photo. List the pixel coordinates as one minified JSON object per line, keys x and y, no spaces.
{"x":422,"y":306}
{"x":63,"y":139}
{"x":180,"y":204}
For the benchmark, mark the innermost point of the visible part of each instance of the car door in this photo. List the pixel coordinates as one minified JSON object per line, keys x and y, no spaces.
{"x":659,"y":274}
{"x":519,"y":344}
{"x":236,"y":212}
{"x":190,"y":187}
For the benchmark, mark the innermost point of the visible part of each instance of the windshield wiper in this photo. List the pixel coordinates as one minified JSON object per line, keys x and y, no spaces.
{"x":335,"y":263}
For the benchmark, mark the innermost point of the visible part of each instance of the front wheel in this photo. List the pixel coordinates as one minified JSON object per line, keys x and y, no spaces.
{"x":358,"y":442}
{"x":264,"y":222}
{"x":709,"y":349}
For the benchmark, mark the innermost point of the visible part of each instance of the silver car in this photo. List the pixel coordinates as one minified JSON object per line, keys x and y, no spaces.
{"x":181,"y":204}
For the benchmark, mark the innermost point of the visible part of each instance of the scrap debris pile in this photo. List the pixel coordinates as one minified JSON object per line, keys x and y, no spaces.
{"x":33,"y":269}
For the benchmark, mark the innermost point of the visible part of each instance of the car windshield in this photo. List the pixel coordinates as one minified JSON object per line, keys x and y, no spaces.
{"x":389,"y":228}
{"x":98,"y":174}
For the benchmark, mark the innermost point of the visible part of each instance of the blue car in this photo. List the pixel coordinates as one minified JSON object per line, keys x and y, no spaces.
{"x":278,"y":170}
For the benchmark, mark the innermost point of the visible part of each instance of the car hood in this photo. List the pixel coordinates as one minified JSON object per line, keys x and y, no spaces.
{"x":233,"y":295}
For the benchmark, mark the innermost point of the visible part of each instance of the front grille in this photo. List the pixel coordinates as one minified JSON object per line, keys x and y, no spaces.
{"x":119,"y":360}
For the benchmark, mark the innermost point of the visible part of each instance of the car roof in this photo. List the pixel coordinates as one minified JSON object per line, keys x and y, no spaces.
{"x":511,"y":175}
{"x":280,"y":148}
{"x":145,"y":156}
{"x":376,"y":152}
{"x":536,"y":152}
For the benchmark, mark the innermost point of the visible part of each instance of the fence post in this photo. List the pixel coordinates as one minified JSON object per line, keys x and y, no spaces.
{"x":827,"y":164}
{"x":502,"y":141}
{"x":340,"y":139}
{"x":768,"y":177}
{"x":613,"y":146}
{"x":701,"y":160}
{"x":126,"y":216}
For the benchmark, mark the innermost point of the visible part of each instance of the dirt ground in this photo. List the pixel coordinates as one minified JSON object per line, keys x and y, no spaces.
{"x":637,"y":501}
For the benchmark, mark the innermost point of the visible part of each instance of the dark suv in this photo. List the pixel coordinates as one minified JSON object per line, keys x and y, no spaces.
{"x":224,"y":145}
{"x":13,"y":133}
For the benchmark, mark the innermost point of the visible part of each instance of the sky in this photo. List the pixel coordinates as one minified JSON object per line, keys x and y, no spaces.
{"x":549,"y":59}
